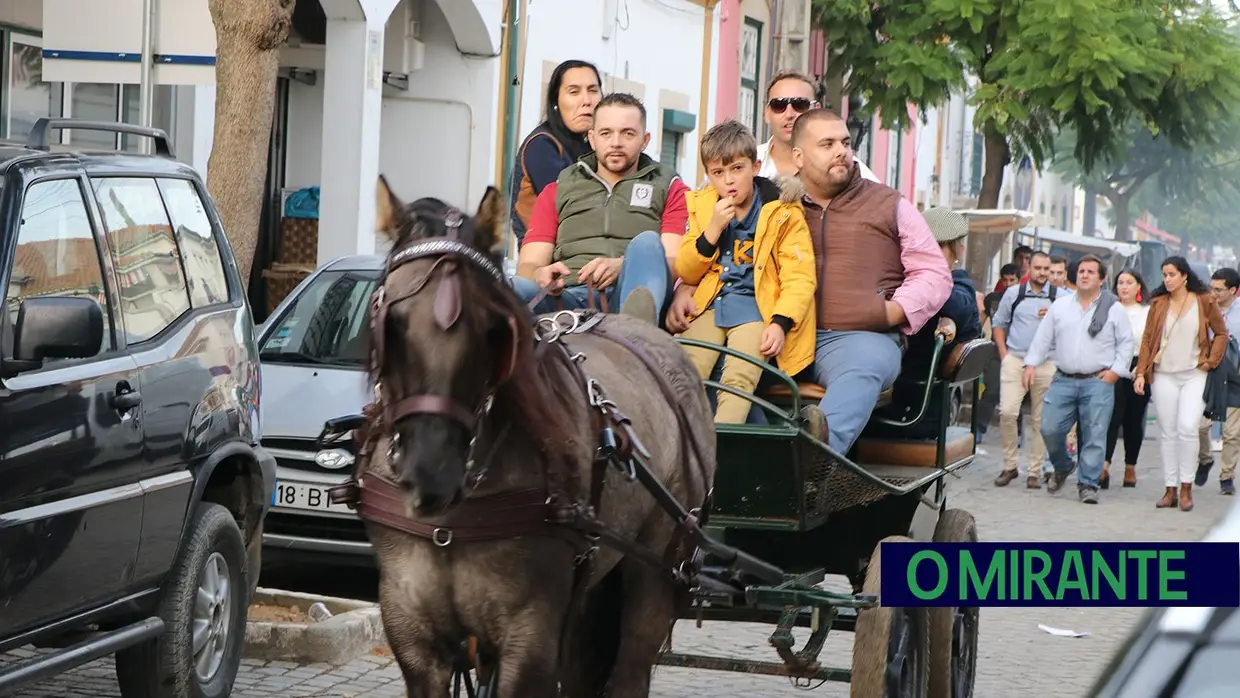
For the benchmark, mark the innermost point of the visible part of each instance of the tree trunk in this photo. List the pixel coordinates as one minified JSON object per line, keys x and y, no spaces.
{"x":1089,"y":213}
{"x":984,"y":247}
{"x":248,"y":34}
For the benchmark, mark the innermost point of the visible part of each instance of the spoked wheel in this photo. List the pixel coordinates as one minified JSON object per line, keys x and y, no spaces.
{"x":953,"y":631}
{"x":891,"y":646}
{"x":475,"y":674}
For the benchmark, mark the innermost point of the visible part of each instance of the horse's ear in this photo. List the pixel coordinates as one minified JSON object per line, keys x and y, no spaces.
{"x":387,"y":209}
{"x":489,"y":220}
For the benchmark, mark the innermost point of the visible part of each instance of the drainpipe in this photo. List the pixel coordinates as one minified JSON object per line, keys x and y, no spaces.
{"x":144,"y":79}
{"x":512,"y":113}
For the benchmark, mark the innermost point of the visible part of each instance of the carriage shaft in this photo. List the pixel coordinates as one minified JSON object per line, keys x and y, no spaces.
{"x":746,"y":666}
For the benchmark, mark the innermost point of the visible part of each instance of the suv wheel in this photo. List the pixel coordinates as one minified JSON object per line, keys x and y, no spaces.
{"x":204,"y":606}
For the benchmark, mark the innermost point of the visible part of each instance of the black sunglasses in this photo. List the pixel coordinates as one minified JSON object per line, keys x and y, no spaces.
{"x":798,"y":104}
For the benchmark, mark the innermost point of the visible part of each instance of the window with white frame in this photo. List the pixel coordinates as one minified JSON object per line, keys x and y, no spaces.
{"x":751,"y":64}
{"x":25,"y":98}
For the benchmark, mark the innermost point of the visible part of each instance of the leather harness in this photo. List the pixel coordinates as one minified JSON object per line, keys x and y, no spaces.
{"x":546,"y":511}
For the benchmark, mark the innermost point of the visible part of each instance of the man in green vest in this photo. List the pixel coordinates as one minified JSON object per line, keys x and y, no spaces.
{"x":607,"y":232}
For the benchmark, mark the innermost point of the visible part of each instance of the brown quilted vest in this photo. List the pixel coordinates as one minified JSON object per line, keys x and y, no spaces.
{"x":857,"y":249}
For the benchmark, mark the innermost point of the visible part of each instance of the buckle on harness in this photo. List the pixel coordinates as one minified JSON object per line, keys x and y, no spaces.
{"x":441,"y":537}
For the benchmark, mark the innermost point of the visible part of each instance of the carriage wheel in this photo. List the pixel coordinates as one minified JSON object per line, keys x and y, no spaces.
{"x":891,"y":646}
{"x":953,"y":631}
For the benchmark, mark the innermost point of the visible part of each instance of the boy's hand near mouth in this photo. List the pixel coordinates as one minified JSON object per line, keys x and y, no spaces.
{"x":725,"y":212}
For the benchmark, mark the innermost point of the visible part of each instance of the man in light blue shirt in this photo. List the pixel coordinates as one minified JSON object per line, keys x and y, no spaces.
{"x":1092,"y":339}
{"x":1016,"y":321}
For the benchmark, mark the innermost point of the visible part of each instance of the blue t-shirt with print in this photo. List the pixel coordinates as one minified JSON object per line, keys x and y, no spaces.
{"x":736,"y":305}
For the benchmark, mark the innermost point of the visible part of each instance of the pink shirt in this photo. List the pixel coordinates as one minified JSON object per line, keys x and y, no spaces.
{"x":927,"y":278}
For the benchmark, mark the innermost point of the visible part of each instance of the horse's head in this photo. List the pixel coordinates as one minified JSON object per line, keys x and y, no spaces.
{"x":447,"y":333}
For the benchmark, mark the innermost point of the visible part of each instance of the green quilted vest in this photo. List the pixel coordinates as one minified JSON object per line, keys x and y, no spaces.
{"x":596,"y":221}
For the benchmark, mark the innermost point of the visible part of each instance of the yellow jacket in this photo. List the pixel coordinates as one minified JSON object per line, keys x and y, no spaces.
{"x":785,"y":273}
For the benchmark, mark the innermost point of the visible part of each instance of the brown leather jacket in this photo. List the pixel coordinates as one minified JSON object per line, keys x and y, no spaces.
{"x":1208,"y":317}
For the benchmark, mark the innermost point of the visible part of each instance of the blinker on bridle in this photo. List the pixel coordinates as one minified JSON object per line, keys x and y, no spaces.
{"x":446,"y":251}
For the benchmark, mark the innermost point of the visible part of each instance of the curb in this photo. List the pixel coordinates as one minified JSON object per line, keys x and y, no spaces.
{"x":354,"y":629}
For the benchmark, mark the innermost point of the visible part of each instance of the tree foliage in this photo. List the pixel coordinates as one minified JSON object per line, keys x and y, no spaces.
{"x":1204,"y":216}
{"x":1042,"y":65}
{"x":1146,"y":160}
{"x":1037,"y":67}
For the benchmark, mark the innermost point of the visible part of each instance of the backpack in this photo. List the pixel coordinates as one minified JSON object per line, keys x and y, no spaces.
{"x":1020,"y":295}
{"x":526,"y":196}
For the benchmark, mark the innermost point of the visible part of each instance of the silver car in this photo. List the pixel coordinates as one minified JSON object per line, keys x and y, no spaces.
{"x":314,"y":350}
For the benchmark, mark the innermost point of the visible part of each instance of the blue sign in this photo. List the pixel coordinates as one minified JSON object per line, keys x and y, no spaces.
{"x":1060,"y":574}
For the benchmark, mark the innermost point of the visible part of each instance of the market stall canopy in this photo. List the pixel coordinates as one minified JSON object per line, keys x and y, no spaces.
{"x":996,"y":221}
{"x":1082,"y":243}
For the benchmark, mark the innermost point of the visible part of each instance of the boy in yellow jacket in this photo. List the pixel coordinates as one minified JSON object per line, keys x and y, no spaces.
{"x":749,"y":252}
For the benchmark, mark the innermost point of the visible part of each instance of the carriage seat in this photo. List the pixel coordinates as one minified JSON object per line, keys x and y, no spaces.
{"x":922,"y":453}
{"x":967,"y":361}
{"x":811,"y":393}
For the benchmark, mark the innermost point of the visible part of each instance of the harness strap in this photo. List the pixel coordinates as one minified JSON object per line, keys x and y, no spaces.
{"x":690,"y":440}
{"x":429,"y":404}
{"x":506,"y":515}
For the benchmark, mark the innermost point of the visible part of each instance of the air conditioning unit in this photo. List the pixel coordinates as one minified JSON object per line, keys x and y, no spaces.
{"x":403,"y":50}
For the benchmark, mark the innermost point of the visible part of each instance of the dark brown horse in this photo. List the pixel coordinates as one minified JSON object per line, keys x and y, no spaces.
{"x":481,"y":418}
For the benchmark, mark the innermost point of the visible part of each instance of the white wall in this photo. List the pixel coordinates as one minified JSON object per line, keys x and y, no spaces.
{"x":437,"y":138}
{"x":22,"y":13}
{"x":656,"y":44}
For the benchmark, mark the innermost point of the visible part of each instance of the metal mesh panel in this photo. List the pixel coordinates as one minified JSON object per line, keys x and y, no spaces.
{"x":830,"y":486}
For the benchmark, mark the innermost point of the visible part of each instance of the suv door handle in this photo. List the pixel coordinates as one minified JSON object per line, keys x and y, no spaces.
{"x":125,"y":401}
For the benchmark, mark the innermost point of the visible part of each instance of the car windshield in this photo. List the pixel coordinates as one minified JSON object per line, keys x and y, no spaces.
{"x":325,"y":324}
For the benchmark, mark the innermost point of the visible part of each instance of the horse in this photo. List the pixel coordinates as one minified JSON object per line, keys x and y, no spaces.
{"x":492,"y":441}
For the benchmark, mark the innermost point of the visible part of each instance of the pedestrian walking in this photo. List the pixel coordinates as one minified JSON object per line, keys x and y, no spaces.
{"x":1130,"y":408}
{"x":1092,"y":338}
{"x":1176,"y":354}
{"x":1016,"y":322}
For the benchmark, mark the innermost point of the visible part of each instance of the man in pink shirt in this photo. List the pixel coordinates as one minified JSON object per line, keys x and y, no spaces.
{"x":881,"y":277}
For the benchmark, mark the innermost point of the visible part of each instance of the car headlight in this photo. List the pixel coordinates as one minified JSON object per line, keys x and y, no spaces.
{"x":333,"y":458}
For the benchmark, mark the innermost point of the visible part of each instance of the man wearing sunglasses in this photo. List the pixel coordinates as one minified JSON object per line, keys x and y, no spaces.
{"x":789,"y":95}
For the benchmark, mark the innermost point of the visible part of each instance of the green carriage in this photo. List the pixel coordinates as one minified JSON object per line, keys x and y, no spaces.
{"x":782,"y":495}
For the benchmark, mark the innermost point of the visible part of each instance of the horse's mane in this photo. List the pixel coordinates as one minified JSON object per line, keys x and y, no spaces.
{"x":533,"y":397}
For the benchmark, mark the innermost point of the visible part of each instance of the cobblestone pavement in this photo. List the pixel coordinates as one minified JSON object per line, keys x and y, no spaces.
{"x":1016,"y":658}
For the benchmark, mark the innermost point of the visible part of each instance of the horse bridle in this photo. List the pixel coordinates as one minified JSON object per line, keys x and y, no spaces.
{"x":447,"y":252}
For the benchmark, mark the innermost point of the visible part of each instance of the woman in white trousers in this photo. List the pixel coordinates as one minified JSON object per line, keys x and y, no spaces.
{"x":1176,"y":353}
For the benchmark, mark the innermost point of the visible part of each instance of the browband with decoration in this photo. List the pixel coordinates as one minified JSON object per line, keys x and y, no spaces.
{"x":440,"y":246}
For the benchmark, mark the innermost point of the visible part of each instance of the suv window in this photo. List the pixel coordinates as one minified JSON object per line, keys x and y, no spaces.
{"x":56,"y":256}
{"x":204,"y":267}
{"x":326,"y":323}
{"x":153,"y":292}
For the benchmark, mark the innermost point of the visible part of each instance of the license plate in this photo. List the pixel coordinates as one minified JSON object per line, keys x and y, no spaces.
{"x":305,"y":496}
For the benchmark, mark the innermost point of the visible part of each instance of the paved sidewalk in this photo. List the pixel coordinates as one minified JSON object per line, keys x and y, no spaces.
{"x":1016,"y":659}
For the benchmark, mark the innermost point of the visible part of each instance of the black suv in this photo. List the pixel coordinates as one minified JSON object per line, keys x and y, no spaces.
{"x":132,"y":485}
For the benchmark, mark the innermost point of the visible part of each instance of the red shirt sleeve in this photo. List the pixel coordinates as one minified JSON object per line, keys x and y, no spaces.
{"x":676,"y":210}
{"x":544,"y":219}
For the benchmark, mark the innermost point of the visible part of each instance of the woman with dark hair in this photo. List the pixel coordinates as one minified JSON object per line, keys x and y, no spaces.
{"x":559,"y":141}
{"x":1130,"y":408}
{"x":1176,"y":354}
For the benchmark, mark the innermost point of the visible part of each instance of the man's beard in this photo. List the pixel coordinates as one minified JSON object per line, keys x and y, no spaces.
{"x":606,"y":162}
{"x":833,"y":184}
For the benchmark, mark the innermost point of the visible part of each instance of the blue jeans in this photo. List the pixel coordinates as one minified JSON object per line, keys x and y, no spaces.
{"x":645,"y":266}
{"x":1088,"y":403}
{"x":854,"y":367}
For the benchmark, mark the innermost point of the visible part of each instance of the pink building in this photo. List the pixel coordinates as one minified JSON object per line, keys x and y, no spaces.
{"x":746,"y":61}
